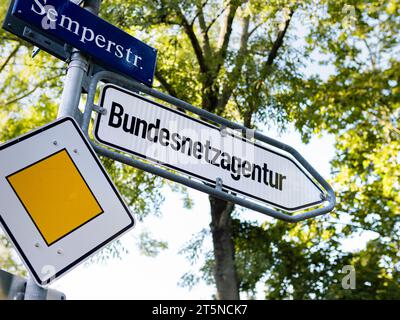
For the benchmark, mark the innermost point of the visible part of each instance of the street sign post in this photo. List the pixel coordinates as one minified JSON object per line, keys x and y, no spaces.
{"x":107,"y":45}
{"x":139,"y":126}
{"x":57,"y":203}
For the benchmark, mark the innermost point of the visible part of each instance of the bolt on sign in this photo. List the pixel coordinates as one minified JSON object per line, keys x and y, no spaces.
{"x":57,"y":204}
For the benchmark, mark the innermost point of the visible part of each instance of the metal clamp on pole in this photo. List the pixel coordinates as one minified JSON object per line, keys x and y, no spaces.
{"x":100,"y":110}
{"x":218,"y":184}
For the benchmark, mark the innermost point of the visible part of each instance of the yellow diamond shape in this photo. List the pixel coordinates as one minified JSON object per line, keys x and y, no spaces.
{"x":55,"y":195}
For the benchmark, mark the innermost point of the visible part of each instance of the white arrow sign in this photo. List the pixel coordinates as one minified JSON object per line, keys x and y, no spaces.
{"x":144,"y":128}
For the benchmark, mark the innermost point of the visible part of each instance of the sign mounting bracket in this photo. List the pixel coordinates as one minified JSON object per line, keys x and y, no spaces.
{"x":106,"y":76}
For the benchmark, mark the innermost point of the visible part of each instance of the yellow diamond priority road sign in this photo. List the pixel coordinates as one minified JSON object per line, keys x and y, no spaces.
{"x":66,"y":193}
{"x":57,"y":203}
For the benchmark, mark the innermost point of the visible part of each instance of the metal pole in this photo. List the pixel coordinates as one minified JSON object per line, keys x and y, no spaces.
{"x":77,"y":69}
{"x":33,"y":291}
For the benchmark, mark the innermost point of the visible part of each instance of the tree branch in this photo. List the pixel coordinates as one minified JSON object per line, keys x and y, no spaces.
{"x":199,"y":11}
{"x":204,"y":32}
{"x":40,"y":66}
{"x":170,"y":89}
{"x":255,"y":28}
{"x":226,"y":32}
{"x":215,"y":19}
{"x":353,"y":225}
{"x":193,"y":40}
{"x":275,"y":47}
{"x":28,"y":93}
{"x":10,"y":56}
{"x":240,"y":59}
{"x":225,"y":215}
{"x":10,"y":38}
{"x":371,"y":55}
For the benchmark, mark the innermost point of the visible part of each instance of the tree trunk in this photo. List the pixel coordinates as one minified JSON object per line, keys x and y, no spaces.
{"x":224,"y":251}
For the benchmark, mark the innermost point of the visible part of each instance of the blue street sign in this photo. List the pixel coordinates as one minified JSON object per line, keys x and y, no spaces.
{"x":107,"y":45}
